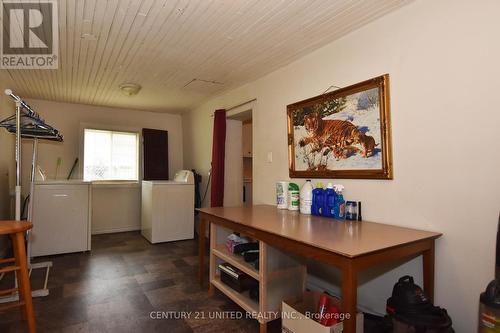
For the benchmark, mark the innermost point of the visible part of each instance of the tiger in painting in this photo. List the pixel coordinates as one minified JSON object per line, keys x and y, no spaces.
{"x":339,"y":136}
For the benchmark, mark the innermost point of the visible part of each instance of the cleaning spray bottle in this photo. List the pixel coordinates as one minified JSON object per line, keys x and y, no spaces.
{"x":339,"y":207}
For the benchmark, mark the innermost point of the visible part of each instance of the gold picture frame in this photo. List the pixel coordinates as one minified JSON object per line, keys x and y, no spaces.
{"x":342,"y":134}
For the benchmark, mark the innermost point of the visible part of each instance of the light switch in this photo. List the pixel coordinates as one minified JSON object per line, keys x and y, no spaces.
{"x":270,"y":157}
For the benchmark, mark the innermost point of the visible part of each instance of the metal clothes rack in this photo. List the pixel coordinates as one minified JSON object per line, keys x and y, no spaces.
{"x":26,"y":123}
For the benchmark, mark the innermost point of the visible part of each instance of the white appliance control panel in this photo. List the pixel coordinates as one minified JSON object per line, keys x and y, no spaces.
{"x":184,"y":176}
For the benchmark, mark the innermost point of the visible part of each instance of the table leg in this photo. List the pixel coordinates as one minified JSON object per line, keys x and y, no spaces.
{"x":428,"y":270}
{"x":212,"y":261}
{"x":349,"y":296}
{"x":201,"y":250}
{"x":211,"y":289}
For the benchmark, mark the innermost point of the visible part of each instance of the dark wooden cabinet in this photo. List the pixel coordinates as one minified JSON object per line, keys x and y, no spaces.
{"x":155,"y":154}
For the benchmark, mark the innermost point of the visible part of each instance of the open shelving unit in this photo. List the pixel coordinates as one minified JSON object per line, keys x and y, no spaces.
{"x":242,"y":299}
{"x":280,"y":276}
{"x":221,"y":252}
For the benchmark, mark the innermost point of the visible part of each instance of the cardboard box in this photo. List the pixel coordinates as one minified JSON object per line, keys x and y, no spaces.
{"x":296,"y":316}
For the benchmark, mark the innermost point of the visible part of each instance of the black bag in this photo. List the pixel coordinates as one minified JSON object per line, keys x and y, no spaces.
{"x":412,"y":312}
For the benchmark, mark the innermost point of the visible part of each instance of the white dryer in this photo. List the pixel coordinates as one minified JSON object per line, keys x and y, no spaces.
{"x":168,"y":208}
{"x":61,"y":217}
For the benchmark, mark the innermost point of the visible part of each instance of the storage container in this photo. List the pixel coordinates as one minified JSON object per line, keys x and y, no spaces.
{"x":297,"y":315}
{"x":236,"y":279}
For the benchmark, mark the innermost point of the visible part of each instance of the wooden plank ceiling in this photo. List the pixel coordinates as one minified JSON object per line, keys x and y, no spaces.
{"x":173,"y":47}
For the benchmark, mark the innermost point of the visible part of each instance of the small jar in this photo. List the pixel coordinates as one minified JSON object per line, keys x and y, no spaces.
{"x":351,"y":210}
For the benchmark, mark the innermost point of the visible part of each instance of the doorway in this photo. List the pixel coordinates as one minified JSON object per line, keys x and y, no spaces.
{"x":247,"y":153}
{"x":238,"y":178}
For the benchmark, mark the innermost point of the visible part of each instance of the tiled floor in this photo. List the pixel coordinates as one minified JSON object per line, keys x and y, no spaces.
{"x":116,"y":287}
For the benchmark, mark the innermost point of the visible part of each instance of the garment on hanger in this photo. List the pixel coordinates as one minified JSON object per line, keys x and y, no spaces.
{"x":32,"y":127}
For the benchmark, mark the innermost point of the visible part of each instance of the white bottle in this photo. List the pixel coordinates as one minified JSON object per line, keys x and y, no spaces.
{"x":293,"y":196}
{"x":306,"y":198}
{"x":282,"y":195}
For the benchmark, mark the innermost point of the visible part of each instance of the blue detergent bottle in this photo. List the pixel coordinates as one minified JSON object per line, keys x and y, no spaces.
{"x":339,"y":209}
{"x":317,"y":199}
{"x":329,"y":203}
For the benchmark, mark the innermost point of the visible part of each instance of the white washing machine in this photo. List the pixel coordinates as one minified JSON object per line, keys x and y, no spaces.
{"x":168,"y":208}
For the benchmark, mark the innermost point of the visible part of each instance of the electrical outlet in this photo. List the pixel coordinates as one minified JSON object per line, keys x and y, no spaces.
{"x":270,"y":157}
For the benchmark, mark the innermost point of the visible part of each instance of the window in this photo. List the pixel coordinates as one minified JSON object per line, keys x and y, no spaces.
{"x":110,"y":155}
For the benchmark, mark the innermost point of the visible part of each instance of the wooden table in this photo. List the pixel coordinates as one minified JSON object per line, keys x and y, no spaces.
{"x":348,"y":245}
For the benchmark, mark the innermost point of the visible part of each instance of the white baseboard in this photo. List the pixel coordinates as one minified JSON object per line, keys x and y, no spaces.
{"x":116,"y":230}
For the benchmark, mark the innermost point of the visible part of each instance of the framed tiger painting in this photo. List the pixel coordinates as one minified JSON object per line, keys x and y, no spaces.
{"x":345,"y":133}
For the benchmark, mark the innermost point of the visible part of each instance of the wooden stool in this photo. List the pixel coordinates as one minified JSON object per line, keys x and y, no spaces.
{"x":16,"y":231}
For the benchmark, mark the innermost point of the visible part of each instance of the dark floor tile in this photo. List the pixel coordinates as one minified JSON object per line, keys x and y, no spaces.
{"x":134,"y":269}
{"x":59,"y":315}
{"x":54,"y":294}
{"x":179,"y":263}
{"x":175,"y":326}
{"x":115,"y":287}
{"x":157,"y":284}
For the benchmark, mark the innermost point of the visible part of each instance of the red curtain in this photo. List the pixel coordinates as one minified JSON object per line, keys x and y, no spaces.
{"x":218,"y":155}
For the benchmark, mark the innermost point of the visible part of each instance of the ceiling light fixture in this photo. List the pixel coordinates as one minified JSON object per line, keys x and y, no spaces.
{"x":130,"y":89}
{"x":89,"y":37}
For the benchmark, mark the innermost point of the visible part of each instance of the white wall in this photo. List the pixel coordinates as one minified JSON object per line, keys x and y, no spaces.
{"x":443,"y":63}
{"x":6,"y":166}
{"x":115,"y":208}
{"x":233,"y":164}
{"x":6,"y":160}
{"x":6,"y":150}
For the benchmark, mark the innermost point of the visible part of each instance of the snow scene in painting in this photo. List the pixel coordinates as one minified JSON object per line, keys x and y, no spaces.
{"x":360,"y":109}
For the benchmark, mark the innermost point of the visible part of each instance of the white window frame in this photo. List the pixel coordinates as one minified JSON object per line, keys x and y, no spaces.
{"x":111,"y":128}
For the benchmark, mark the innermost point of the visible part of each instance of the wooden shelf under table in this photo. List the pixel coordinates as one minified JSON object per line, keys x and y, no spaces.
{"x":351,"y":247}
{"x":237,"y":261}
{"x":241,"y":299}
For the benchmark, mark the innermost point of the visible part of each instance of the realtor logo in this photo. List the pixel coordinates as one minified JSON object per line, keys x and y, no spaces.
{"x":29,"y":34}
